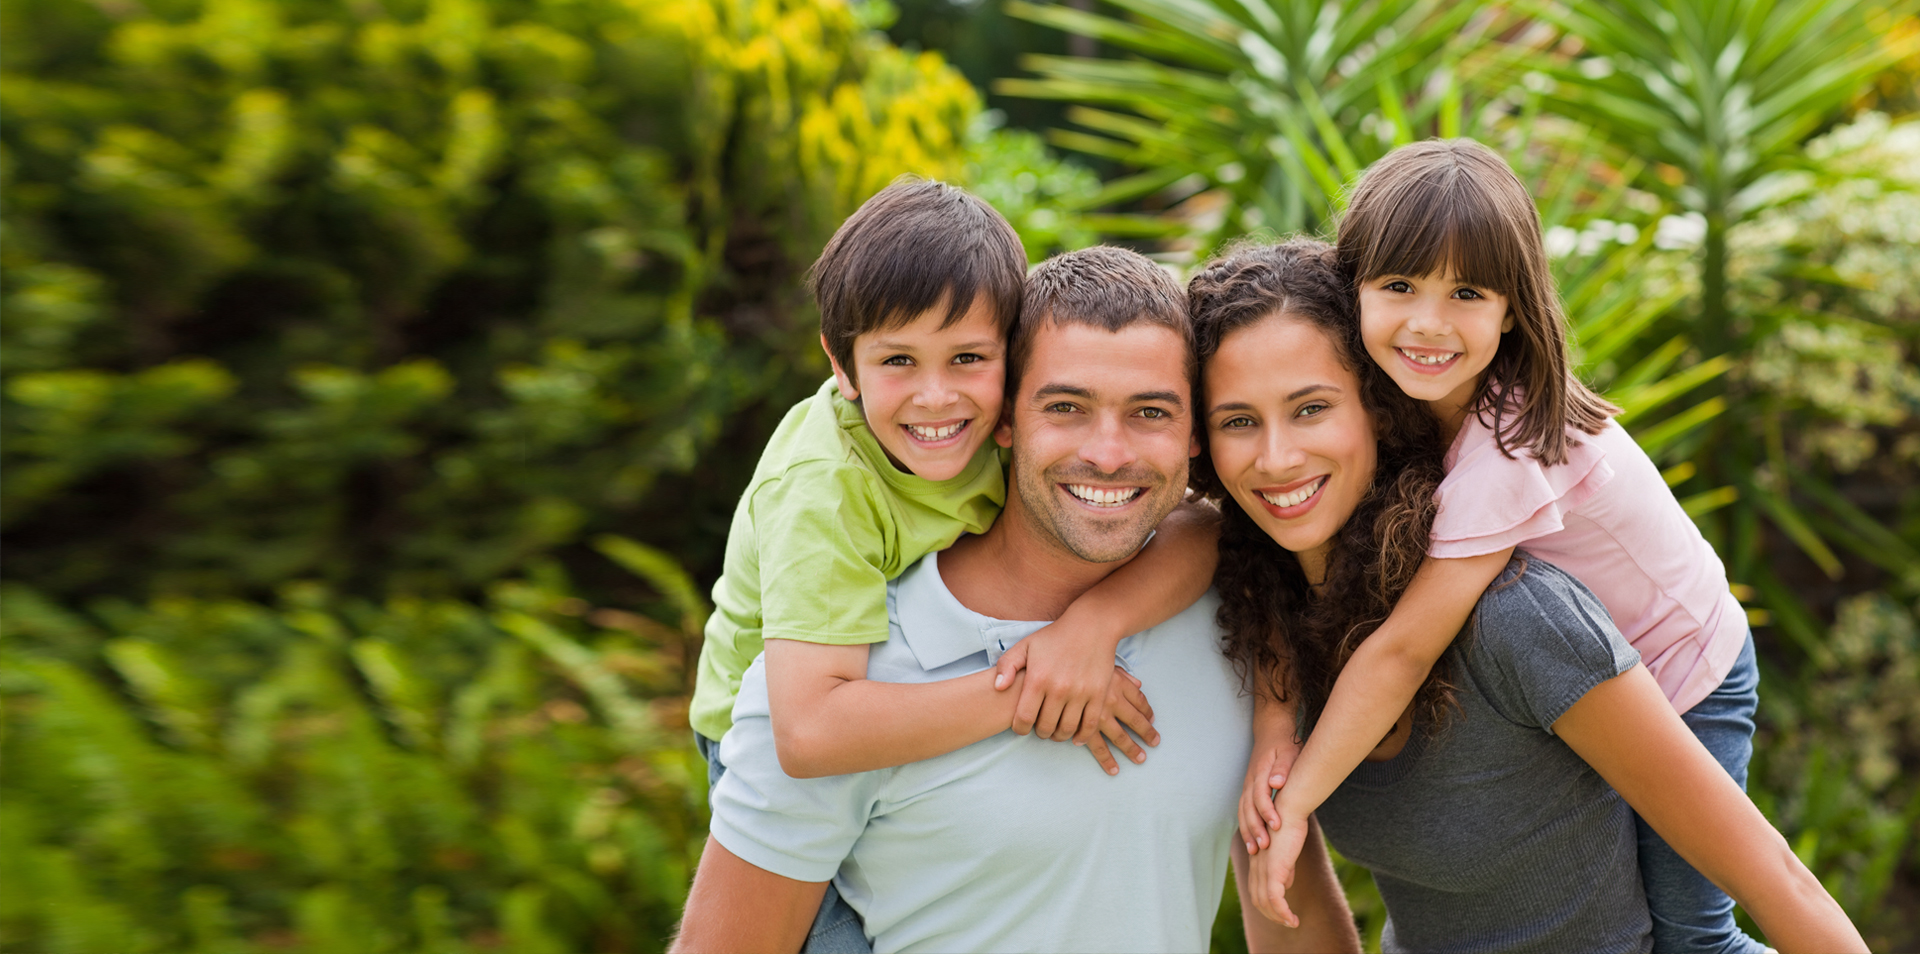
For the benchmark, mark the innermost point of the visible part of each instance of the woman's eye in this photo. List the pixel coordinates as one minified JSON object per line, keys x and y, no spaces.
{"x":1234,"y":423}
{"x":1309,"y":410}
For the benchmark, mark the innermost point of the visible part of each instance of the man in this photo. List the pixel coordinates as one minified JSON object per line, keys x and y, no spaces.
{"x":1016,"y":842}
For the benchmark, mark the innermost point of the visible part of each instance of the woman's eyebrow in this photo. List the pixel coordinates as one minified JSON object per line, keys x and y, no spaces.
{"x":1309,"y":389}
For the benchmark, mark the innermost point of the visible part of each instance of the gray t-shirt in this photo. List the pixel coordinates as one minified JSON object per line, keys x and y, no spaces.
{"x":1013,"y":843}
{"x":1494,"y":835}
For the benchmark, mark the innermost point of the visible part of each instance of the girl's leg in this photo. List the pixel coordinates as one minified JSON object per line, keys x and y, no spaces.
{"x":837,"y":928}
{"x":1690,"y":915}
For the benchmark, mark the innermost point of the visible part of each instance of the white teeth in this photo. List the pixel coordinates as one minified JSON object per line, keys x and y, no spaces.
{"x":936,"y":433}
{"x":1103,"y":496}
{"x":1296,"y":497}
{"x":1430,"y":358}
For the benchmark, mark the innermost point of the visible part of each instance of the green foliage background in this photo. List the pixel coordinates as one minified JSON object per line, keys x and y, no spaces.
{"x":351,"y":350}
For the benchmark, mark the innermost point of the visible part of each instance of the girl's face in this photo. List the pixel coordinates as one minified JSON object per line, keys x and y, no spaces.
{"x":1434,"y":335}
{"x":1288,"y":434}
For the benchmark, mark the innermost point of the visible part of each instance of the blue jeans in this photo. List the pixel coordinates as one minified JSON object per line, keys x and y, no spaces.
{"x":837,"y":928}
{"x":1690,"y":915}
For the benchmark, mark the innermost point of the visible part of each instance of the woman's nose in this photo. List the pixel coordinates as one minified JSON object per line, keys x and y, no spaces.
{"x":1280,"y":454}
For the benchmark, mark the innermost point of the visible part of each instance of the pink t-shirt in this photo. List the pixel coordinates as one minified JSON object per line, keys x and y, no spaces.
{"x":1608,"y":518}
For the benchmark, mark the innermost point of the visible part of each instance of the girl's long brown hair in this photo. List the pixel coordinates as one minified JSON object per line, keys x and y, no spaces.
{"x":1282,"y":637}
{"x":1453,"y":204}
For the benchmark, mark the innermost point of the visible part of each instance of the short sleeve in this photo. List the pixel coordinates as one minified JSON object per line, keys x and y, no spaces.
{"x":799,"y":828}
{"x":822,"y":549}
{"x":1490,"y":502}
{"x":1540,"y":642}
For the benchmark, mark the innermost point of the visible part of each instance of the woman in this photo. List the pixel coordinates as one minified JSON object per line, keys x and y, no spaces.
{"x":1498,"y":814}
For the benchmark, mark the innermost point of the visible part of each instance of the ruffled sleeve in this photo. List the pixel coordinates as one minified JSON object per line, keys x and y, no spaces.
{"x":1489,"y":502}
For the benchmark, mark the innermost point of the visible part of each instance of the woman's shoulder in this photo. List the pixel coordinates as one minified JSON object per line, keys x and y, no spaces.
{"x":1540,"y":639}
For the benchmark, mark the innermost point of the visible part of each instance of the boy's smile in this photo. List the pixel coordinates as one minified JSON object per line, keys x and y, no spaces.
{"x":930,"y":394}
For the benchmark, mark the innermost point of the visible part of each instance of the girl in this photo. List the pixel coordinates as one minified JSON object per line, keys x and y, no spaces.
{"x":1496,"y":813}
{"x":1443,"y":247}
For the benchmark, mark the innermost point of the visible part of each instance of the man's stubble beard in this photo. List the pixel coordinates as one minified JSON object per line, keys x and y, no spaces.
{"x":1088,"y":536}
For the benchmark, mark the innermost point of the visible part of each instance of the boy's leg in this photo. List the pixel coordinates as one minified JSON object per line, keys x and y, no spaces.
{"x":837,"y":928}
{"x":1690,"y":914}
{"x":710,"y":750}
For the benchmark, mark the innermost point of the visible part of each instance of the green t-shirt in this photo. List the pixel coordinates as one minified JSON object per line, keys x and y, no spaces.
{"x":826,"y":521}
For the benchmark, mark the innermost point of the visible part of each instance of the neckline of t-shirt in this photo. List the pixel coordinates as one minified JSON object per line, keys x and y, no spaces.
{"x":875,"y":456}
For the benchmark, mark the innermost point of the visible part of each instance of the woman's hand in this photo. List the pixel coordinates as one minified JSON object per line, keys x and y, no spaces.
{"x":1274,"y":751}
{"x":1273,"y":870}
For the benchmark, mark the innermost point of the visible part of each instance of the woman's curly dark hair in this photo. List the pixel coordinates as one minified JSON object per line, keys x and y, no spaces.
{"x":1281,"y":637}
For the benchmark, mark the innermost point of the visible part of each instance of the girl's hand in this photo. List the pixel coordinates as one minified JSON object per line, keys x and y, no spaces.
{"x":1127,"y":708}
{"x":1272,"y":874}
{"x":1266,"y":771}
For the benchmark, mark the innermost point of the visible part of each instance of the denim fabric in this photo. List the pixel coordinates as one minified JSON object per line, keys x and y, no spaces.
{"x":1690,"y":915}
{"x":836,"y":928}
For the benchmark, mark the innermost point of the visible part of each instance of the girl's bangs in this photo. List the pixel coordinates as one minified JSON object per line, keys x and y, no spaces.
{"x":1435,"y":228}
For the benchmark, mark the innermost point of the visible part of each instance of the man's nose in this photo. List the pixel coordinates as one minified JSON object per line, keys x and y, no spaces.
{"x":1107,"y":447}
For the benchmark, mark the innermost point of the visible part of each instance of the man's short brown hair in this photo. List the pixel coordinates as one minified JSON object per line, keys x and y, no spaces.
{"x":914,"y":245}
{"x":1106,"y":287}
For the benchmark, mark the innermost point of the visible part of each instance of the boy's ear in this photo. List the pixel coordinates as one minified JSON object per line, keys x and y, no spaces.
{"x":840,"y":378}
{"x":1003,"y":431}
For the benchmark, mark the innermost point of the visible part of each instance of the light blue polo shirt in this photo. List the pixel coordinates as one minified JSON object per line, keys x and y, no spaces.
{"x":1013,"y":843}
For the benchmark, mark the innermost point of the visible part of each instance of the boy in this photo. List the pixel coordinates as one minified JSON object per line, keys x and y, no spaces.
{"x":888,"y":461}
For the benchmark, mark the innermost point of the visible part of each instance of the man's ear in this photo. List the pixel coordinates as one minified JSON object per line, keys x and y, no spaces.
{"x":840,"y":378}
{"x":1193,"y":444}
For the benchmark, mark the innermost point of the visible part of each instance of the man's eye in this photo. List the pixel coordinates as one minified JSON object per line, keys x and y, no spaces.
{"x":1061,"y":407}
{"x":898,"y":361}
{"x":1153,"y":413}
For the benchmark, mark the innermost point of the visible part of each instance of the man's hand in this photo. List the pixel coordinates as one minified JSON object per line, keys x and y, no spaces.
{"x":1127,"y":708}
{"x":1273,"y":871}
{"x":1068,"y":671}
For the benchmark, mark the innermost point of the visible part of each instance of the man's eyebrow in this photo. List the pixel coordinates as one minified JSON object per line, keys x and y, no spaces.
{"x":1158,"y":397}
{"x":1068,"y":390}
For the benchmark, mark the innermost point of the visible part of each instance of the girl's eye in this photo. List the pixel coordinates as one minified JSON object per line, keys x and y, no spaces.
{"x":1398,"y":286}
{"x":1468,"y":294}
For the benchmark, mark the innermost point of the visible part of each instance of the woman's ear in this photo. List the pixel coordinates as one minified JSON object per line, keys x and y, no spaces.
{"x":840,"y":376}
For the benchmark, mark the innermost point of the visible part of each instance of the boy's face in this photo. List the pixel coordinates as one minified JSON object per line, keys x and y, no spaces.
{"x":932,"y":395}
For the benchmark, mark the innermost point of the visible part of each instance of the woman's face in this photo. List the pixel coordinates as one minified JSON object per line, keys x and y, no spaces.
{"x":1288,"y":435}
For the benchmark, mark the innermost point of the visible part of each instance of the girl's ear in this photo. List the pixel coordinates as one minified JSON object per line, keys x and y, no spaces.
{"x":1506,"y":321}
{"x":840,"y":377}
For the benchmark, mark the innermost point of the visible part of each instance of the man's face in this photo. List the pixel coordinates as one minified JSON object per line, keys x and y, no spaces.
{"x":1101,"y":431}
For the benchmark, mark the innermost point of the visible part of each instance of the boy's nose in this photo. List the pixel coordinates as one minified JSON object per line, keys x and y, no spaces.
{"x":935,"y":391}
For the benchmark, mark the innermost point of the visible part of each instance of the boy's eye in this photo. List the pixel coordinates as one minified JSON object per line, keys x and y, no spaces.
{"x":968,"y":358}
{"x":898,"y":361}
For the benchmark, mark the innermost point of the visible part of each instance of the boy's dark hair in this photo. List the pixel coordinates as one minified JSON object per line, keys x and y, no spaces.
{"x":915,"y":244}
{"x":1454,"y":204}
{"x":1106,"y":287}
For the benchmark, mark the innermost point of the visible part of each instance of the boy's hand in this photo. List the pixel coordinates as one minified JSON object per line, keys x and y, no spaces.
{"x":1273,"y":872}
{"x":1266,"y":771}
{"x":1068,"y":671}
{"x":1127,"y":708}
